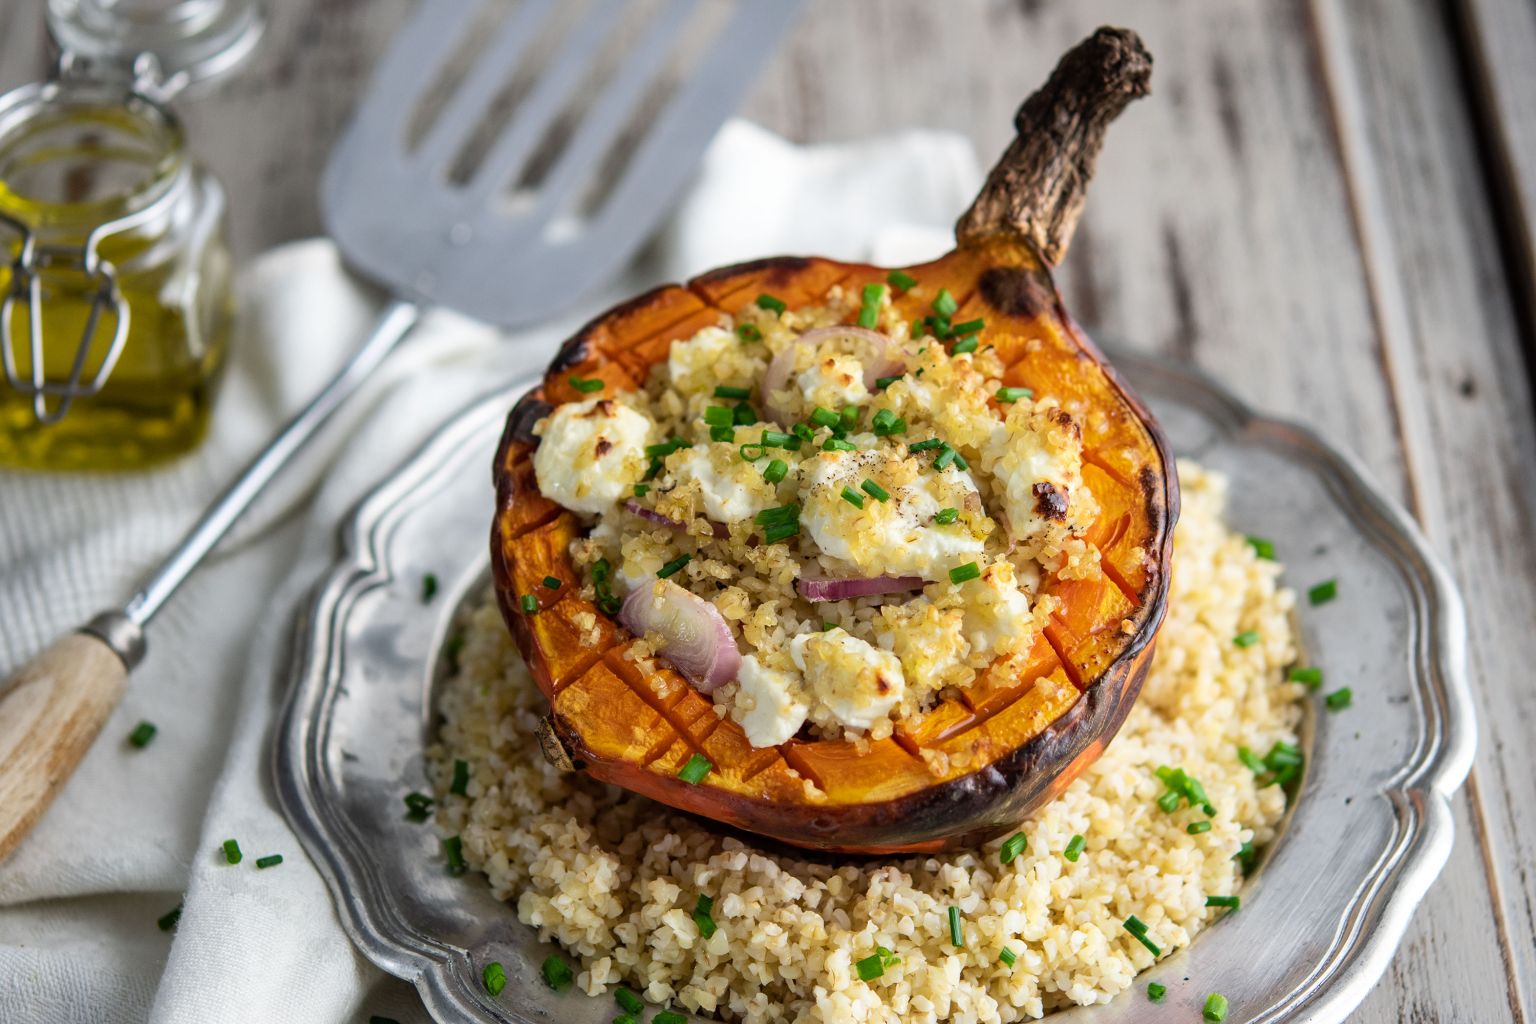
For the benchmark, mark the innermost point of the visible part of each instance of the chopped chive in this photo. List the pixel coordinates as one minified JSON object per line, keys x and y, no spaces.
{"x":586,"y":385}
{"x":964,"y":346}
{"x":1074,"y":848}
{"x":1247,"y":638}
{"x":1215,"y":1009}
{"x":694,"y":771}
{"x":1252,"y":761}
{"x":453,"y":853}
{"x":1141,"y":936}
{"x":870,"y":968}
{"x":1169,"y":801}
{"x":1323,"y":593}
{"x":495,"y":978}
{"x":775,"y":471}
{"x":628,"y":1001}
{"x":1195,"y":828}
{"x":965,"y":573}
{"x":702,"y":918}
{"x":142,"y":734}
{"x":901,"y":281}
{"x":1135,"y":925}
{"x":669,"y":1017}
{"x":777,"y":514}
{"x":775,"y":439}
{"x":875,"y":491}
{"x":970,"y":326}
{"x":664,"y":448}
{"x":1245,"y":856}
{"x":652,"y":470}
{"x":824,"y":417}
{"x":743,"y":415}
{"x":802,"y":431}
{"x":748,"y":333}
{"x":1261,"y":547}
{"x":848,"y":417}
{"x":1007,"y":956}
{"x":766,"y":301}
{"x":271,"y":860}
{"x":1283,"y":755}
{"x":724,"y":391}
{"x":751,"y":452}
{"x":722,"y":433}
{"x":853,"y":497}
{"x":945,"y":516}
{"x":837,"y":444}
{"x":460,"y":784}
{"x":887,"y":423}
{"x":1010,"y":395}
{"x":956,"y":927}
{"x":944,"y":304}
{"x":780,"y":531}
{"x":1156,"y":991}
{"x":1311,"y":677}
{"x":946,"y":456}
{"x":428,"y":588}
{"x":557,"y":973}
{"x":1339,"y":699}
{"x":1012,"y":847}
{"x":1228,"y":902}
{"x":673,"y":566}
{"x":529,"y":603}
{"x":924,"y":446}
{"x":170,"y":918}
{"x":418,"y":807}
{"x":719,"y":416}
{"x":869,"y":308}
{"x":232,"y":854}
{"x":551,"y":583}
{"x":881,"y":383}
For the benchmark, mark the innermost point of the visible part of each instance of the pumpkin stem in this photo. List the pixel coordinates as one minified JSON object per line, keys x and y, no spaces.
{"x":1037,"y":188}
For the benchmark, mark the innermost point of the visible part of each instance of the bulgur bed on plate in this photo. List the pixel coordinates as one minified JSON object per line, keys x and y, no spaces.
{"x":615,"y":879}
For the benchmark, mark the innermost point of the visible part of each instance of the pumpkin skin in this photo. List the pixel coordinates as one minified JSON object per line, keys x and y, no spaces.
{"x":973,"y":765}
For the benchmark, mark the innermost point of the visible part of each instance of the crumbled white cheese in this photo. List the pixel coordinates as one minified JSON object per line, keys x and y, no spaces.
{"x":766,"y":706}
{"x":694,"y":364}
{"x":832,"y":382}
{"x":854,"y":682}
{"x":998,"y":617}
{"x":731,"y":488}
{"x":590,"y":453}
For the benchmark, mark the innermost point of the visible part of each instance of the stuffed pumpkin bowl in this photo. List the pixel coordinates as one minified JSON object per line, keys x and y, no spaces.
{"x":859,"y":559}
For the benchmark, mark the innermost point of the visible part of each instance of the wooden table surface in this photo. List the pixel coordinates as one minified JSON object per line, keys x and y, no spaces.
{"x":1326,"y":204}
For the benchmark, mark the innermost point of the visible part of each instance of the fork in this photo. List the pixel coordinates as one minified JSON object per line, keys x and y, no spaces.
{"x":401,"y":220}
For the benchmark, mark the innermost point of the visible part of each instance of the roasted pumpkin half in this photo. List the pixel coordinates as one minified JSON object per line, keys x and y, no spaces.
{"x":976,"y":761}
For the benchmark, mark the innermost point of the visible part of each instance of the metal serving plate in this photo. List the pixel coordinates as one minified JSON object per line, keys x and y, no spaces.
{"x":1320,"y":920}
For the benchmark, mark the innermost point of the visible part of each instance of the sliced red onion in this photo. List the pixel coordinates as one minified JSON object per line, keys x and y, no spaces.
{"x":842,"y":590}
{"x":634,"y":507}
{"x":877,"y":362}
{"x":695,"y":638}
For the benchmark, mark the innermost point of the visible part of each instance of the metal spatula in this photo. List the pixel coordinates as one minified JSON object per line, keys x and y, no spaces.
{"x":508,"y":226}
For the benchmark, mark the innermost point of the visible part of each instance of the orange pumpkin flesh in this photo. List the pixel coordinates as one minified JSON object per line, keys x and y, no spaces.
{"x":974,"y":764}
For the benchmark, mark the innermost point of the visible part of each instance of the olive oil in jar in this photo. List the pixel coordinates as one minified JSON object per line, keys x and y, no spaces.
{"x":120,"y":224}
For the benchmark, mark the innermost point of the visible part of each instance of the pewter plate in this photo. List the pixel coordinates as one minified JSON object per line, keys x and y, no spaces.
{"x":1320,"y":920}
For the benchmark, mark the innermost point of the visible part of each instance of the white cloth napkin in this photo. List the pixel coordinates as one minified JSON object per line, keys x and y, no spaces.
{"x":136,"y":832}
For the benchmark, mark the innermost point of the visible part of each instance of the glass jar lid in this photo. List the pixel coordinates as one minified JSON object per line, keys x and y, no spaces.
{"x":189,"y":40}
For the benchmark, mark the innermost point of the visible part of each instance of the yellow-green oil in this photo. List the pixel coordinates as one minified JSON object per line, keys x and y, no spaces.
{"x":78,"y":168}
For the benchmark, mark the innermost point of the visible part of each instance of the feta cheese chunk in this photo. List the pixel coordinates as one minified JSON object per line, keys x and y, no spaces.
{"x":1036,"y":455}
{"x":693,"y":364}
{"x":833,"y":382}
{"x":766,"y":705}
{"x":730,"y":488}
{"x":998,"y":616}
{"x":855,"y":683}
{"x":590,"y":453}
{"x":898,"y":536}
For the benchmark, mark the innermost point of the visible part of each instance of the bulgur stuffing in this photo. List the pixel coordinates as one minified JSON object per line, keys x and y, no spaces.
{"x":615,"y":880}
{"x":824,"y":526}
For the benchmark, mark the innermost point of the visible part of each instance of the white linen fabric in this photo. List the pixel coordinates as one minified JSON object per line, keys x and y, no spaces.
{"x":135,"y":832}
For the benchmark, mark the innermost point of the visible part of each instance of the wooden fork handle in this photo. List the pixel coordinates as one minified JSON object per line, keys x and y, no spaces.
{"x":50,"y":710}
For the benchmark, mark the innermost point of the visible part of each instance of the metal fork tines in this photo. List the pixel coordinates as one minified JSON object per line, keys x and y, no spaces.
{"x":475,"y":240}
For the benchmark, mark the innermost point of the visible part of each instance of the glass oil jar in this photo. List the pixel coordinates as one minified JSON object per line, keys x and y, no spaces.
{"x":116,"y":300}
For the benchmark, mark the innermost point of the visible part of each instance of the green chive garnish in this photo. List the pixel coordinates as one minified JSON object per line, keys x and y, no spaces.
{"x":870,"y":968}
{"x":964,"y":345}
{"x":142,"y":734}
{"x":1339,"y":699}
{"x":875,"y":491}
{"x":673,"y":566}
{"x":271,"y":860}
{"x":495,"y":978}
{"x":628,"y":1001}
{"x":748,"y":333}
{"x":780,"y":531}
{"x":902,"y":282}
{"x":1194,"y":828}
{"x":1007,"y":956}
{"x":551,"y":583}
{"x":557,"y":973}
{"x":1324,"y":592}
{"x":694,"y":771}
{"x":1010,"y":395}
{"x":776,"y":439}
{"x":946,"y":516}
{"x":1311,"y":677}
{"x":428,"y":588}
{"x":886,"y":423}
{"x":1012,"y":847}
{"x":944,"y":304}
{"x":768,"y":302}
{"x":1229,"y":902}
{"x":848,"y":417}
{"x":665,"y":448}
{"x":837,"y":444}
{"x":751,"y":452}
{"x":1155,"y":991}
{"x":1261,"y":547}
{"x":1169,"y":801}
{"x":702,"y":918}
{"x":460,"y":778}
{"x":1215,"y":1009}
{"x":726,"y":434}
{"x":775,"y":471}
{"x":719,"y":416}
{"x":453,"y":853}
{"x":823,"y":417}
{"x":1138,"y":930}
{"x":853,"y":497}
{"x":969,"y":327}
{"x":586,"y":385}
{"x":741,"y":394}
{"x":956,"y":928}
{"x":925,"y":446}
{"x":1074,"y":848}
{"x":669,"y":1017}
{"x":170,"y":919}
{"x":529,"y":603}
{"x":744,"y":415}
{"x":232,"y":854}
{"x":869,"y":308}
{"x":964,"y":573}
{"x":418,"y":807}
{"x":1252,"y":761}
{"x":1247,"y":638}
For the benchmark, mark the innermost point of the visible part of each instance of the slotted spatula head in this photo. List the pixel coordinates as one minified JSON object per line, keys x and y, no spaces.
{"x":514,"y":226}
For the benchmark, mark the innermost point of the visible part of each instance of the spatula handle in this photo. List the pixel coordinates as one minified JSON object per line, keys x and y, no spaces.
{"x":50,"y":710}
